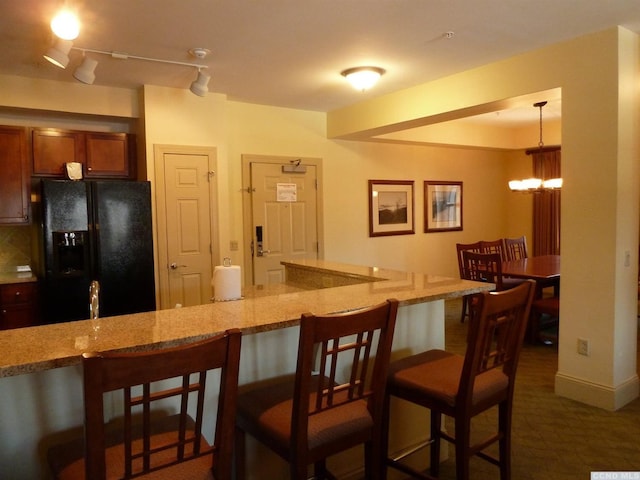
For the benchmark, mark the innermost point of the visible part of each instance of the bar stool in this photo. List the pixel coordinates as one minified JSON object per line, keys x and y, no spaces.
{"x":463,"y":387}
{"x":155,"y":446}
{"x":330,"y":406}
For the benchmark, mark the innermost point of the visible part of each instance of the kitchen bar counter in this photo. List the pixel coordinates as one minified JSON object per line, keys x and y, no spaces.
{"x":9,"y":277}
{"x":41,"y":388}
{"x":263,"y":308}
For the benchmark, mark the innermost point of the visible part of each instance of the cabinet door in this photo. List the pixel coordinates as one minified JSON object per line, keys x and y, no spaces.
{"x":107,"y":155}
{"x":14,"y":179}
{"x":52,"y":148}
{"x":18,"y":305}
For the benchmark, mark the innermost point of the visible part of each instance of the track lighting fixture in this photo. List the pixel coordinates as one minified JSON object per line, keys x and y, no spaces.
{"x":200,"y":85}
{"x":59,"y":56}
{"x":86,"y":71}
{"x":66,"y":25}
{"x":59,"y":53}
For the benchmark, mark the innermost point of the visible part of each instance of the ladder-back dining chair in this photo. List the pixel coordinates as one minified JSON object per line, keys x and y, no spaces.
{"x":483,"y":267}
{"x":147,"y":442}
{"x":462,"y":387}
{"x":465,"y":247}
{"x":330,"y":405}
{"x":516,"y":248}
{"x":494,"y":246}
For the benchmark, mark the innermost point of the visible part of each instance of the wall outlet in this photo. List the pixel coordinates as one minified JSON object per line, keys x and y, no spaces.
{"x":583,"y":347}
{"x":233,"y":245}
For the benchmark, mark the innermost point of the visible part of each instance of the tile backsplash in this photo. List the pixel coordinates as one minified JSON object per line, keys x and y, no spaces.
{"x":15,"y":246}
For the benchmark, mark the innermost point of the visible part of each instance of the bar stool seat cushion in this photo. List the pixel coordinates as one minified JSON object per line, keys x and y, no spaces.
{"x":70,"y":456}
{"x":272,"y":405}
{"x":435,"y":374}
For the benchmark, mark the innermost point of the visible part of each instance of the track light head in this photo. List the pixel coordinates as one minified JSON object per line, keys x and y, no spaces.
{"x":200,"y":85}
{"x":59,"y":53}
{"x":86,"y":71}
{"x":66,"y":25}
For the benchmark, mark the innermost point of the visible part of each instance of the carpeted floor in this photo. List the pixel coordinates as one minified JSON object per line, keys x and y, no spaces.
{"x":554,"y":438}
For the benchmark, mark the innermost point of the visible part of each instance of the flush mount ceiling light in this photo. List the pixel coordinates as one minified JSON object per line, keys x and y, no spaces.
{"x":534,"y":185}
{"x":363,"y":78}
{"x":66,"y":25}
{"x":59,"y":56}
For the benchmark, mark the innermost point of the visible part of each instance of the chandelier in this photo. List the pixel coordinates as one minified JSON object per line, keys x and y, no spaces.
{"x":533,"y":185}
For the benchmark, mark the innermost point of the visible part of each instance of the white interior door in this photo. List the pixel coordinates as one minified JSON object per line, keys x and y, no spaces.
{"x":186,"y":184}
{"x":284,"y":217}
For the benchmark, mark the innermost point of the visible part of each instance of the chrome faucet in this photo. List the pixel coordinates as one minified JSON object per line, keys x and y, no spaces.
{"x":94,"y":300}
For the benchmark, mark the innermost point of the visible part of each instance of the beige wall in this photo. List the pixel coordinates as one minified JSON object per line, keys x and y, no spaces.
{"x":176,"y":117}
{"x":599,"y":78}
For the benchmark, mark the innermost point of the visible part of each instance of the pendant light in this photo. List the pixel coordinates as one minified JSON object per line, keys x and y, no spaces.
{"x":533,"y":185}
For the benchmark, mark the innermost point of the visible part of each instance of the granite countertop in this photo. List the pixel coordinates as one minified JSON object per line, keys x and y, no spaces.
{"x":262,"y":308}
{"x":12,"y":276}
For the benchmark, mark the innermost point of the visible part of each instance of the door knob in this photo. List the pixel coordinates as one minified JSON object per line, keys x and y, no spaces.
{"x":174,"y":266}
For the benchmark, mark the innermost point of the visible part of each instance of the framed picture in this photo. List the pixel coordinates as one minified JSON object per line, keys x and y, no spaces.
{"x":391,"y":207}
{"x":442,"y":206}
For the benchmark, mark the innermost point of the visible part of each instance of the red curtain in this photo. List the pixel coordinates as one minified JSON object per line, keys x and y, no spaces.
{"x":546,"y":205}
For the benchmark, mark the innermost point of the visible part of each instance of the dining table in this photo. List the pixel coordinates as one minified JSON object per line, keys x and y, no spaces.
{"x":544,"y":269}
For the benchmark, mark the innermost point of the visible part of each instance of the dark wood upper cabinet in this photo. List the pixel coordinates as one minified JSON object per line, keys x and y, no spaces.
{"x":102,"y":155}
{"x":14,"y":179}
{"x":52,"y":148}
{"x":107,"y":155}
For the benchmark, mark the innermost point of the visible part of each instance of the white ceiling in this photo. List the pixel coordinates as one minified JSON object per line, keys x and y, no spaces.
{"x":290,"y":53}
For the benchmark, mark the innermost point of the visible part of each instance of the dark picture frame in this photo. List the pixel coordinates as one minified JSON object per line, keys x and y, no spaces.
{"x":391,"y":207}
{"x":442,"y":206}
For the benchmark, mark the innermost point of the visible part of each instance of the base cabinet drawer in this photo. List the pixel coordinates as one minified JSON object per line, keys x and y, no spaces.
{"x":18,"y":305}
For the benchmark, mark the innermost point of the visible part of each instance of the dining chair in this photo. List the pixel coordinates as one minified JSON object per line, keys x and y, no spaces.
{"x":493,"y":246}
{"x":333,"y":402}
{"x":462,"y":247}
{"x":548,"y":307}
{"x":462,"y":387}
{"x":147,"y":442}
{"x":516,"y":248}
{"x":499,"y":247}
{"x":483,"y":267}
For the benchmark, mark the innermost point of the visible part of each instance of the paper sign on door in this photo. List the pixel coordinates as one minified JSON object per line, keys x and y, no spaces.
{"x":286,"y":192}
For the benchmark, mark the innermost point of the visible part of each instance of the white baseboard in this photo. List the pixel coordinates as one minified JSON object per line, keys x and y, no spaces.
{"x":597,"y":395}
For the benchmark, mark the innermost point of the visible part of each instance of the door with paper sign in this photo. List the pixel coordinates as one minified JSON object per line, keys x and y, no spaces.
{"x":284,"y":202}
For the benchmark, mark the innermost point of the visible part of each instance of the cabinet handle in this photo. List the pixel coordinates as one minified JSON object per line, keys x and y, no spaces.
{"x":17,"y":294}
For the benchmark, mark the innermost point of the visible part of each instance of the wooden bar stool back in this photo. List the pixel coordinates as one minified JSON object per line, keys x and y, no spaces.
{"x":463,"y":387}
{"x":147,"y":443}
{"x":334,"y":402}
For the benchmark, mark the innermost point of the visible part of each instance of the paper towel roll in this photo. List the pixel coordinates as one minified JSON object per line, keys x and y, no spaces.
{"x":226,"y":283}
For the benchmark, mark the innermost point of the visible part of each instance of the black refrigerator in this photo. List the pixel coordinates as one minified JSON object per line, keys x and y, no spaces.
{"x":94,"y":230}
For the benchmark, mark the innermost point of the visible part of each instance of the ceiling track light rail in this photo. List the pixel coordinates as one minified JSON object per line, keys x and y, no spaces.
{"x":85,"y":73}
